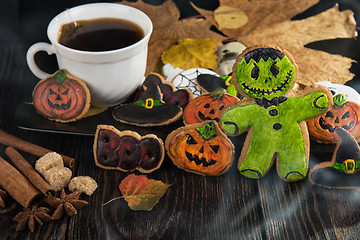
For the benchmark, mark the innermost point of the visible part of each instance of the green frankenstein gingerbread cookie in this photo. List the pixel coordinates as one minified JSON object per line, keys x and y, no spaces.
{"x":274,"y":119}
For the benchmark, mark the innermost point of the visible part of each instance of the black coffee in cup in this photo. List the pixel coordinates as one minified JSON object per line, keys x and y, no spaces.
{"x":101,"y":34}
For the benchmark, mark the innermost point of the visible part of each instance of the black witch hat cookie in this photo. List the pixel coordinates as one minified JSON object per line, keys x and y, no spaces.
{"x":148,"y":110}
{"x":341,"y":171}
{"x":170,"y":94}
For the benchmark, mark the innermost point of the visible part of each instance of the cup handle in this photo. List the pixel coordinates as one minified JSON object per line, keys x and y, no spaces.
{"x":30,"y":58}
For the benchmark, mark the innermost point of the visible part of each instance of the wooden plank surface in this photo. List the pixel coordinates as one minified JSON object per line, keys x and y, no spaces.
{"x":194,"y":207}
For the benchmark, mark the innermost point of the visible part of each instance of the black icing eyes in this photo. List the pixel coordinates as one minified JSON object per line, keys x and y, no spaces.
{"x":191,"y":140}
{"x":215,"y":148}
{"x":346,"y":115}
{"x":255,"y":72}
{"x":274,"y":69}
{"x":329,"y":114}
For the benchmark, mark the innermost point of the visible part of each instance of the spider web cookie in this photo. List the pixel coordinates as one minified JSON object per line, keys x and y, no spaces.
{"x":187,"y":79}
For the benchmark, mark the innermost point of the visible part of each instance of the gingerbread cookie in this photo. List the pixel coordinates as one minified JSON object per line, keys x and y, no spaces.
{"x":207,"y":106}
{"x":200,"y":148}
{"x":61,"y":97}
{"x":342,"y":113}
{"x":127,"y":150}
{"x":148,"y":110}
{"x":273,"y":119}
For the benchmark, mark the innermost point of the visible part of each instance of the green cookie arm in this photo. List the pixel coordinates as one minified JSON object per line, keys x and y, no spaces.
{"x":312,"y":104}
{"x":237,"y":119}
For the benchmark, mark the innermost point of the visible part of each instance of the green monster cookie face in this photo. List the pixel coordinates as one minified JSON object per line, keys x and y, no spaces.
{"x":265,"y":73}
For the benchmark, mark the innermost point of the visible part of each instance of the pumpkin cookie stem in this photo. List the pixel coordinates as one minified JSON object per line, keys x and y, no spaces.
{"x":207,"y":131}
{"x":60,"y":76}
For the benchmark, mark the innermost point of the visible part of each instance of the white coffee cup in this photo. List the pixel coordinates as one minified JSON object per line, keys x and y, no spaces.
{"x":112,"y":76}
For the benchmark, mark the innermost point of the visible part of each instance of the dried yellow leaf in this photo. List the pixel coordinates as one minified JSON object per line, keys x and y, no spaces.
{"x":192,"y":53}
{"x":95,"y":111}
{"x":230,"y":17}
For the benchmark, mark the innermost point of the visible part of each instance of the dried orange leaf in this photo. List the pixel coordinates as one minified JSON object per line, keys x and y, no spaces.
{"x":229,"y":17}
{"x":142,"y":193}
{"x":192,"y":53}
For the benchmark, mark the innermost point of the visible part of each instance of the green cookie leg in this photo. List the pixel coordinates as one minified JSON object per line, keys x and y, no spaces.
{"x":292,"y":163}
{"x":255,"y":165}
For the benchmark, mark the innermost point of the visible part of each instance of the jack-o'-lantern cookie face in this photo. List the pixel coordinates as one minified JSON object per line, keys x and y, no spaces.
{"x":342,"y":114}
{"x":61,"y":97}
{"x":200,"y":148}
{"x":207,"y":106}
{"x":264,"y":73}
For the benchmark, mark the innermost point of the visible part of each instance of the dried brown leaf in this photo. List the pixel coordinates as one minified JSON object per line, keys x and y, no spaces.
{"x":293,"y":35}
{"x":260,"y":13}
{"x":168,"y":29}
{"x":229,"y":17}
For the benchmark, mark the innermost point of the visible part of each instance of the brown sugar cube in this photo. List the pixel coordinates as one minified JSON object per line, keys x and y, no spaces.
{"x":58,"y":177}
{"x":48,"y":161}
{"x":84,"y":184}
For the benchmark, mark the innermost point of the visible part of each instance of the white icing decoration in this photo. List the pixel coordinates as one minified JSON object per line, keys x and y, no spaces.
{"x":350,"y":93}
{"x":187,"y":79}
{"x":170,"y":72}
{"x":227,"y":56}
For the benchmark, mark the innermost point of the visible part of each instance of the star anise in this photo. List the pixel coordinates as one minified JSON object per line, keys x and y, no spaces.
{"x":2,"y":196}
{"x":29,"y":216}
{"x":65,"y":203}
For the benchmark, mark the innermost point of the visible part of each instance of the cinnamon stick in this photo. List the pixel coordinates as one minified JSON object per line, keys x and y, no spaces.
{"x":16,"y":184}
{"x":28,"y":171}
{"x":13,"y":141}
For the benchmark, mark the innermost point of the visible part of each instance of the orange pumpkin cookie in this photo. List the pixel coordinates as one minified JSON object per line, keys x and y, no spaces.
{"x":200,"y":148}
{"x":343,"y":113}
{"x":207,"y":106}
{"x":61,"y":97}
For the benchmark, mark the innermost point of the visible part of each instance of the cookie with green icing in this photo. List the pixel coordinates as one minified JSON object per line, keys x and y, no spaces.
{"x":273,"y":117}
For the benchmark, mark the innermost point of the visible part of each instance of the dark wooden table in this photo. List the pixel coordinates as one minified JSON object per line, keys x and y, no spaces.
{"x":194,"y":207}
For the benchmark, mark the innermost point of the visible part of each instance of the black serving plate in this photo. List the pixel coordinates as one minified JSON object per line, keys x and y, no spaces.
{"x":27,"y":118}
